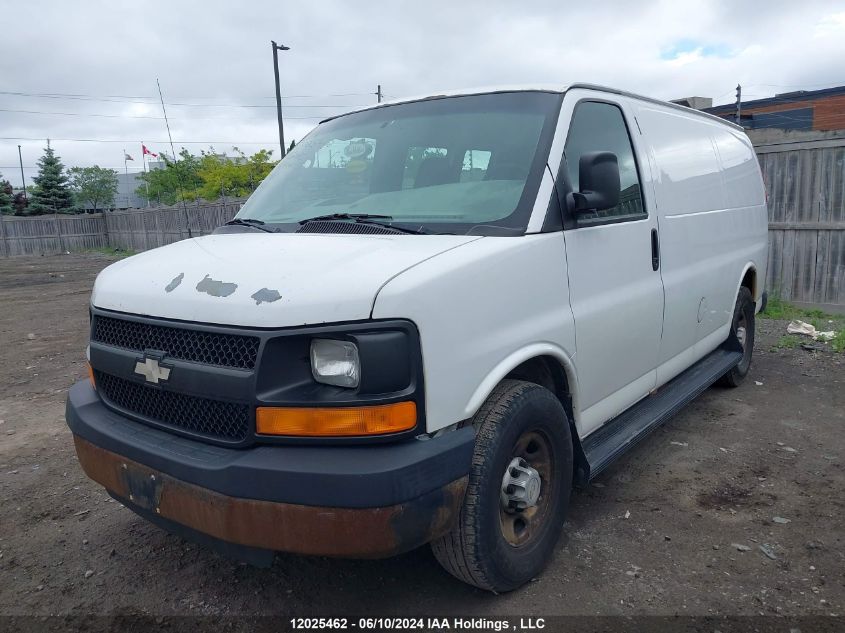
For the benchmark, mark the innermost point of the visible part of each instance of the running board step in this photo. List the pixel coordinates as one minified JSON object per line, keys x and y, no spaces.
{"x":622,"y":433}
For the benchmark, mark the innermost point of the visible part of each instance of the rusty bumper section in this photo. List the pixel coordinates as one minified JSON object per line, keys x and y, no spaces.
{"x":326,"y":531}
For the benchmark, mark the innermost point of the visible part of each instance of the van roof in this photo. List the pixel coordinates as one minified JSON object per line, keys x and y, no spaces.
{"x":554,"y":88}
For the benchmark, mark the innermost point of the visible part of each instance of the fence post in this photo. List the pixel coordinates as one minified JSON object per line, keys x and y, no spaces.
{"x":144,"y":215}
{"x":59,"y":232}
{"x":106,"y":240}
{"x":3,"y":235}
{"x":161,"y":240}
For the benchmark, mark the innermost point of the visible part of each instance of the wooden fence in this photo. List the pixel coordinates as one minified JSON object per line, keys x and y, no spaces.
{"x":805,"y":181}
{"x":49,"y":234}
{"x":137,"y":230}
{"x":140,"y":230}
{"x":806,"y":186}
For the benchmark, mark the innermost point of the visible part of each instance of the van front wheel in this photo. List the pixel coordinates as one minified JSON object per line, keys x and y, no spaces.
{"x":742,"y":327}
{"x":518,"y":491}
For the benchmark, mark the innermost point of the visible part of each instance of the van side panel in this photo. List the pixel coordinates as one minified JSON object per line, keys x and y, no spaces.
{"x":746,"y":228}
{"x":713,"y":224}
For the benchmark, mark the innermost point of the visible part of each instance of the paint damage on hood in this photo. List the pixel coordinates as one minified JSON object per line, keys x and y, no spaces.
{"x":264,"y":280}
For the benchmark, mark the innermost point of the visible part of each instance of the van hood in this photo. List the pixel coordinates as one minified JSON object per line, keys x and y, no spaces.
{"x":264,"y":279}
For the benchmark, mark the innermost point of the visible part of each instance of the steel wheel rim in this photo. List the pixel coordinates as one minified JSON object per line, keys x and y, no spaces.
{"x":522,"y":527}
{"x":742,"y":331}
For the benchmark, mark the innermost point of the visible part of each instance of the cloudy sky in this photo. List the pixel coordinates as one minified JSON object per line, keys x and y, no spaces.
{"x":84,"y":73}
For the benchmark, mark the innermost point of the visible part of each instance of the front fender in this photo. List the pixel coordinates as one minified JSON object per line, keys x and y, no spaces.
{"x":481,"y":310}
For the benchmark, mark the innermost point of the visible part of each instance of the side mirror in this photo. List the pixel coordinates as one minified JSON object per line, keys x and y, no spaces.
{"x":598,"y":176}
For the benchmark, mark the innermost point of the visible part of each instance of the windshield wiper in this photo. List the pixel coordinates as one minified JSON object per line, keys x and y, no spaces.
{"x":346,"y":216}
{"x":366,"y":218}
{"x":250,"y":222}
{"x":390,"y":225}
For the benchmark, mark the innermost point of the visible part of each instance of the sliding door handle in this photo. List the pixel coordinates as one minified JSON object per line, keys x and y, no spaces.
{"x":655,"y":250}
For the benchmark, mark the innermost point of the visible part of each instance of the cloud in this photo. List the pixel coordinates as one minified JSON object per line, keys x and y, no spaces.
{"x":831,"y":26}
{"x":210,"y":55}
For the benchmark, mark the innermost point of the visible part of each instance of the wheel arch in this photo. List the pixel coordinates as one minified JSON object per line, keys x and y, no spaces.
{"x":749,"y":280}
{"x":548,"y":366}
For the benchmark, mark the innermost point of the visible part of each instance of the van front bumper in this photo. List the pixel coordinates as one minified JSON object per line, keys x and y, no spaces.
{"x":369,"y":501}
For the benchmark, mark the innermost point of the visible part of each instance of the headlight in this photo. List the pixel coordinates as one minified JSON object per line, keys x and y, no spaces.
{"x":335,"y":363}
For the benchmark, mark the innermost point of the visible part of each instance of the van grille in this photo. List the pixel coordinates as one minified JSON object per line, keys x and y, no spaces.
{"x":217,"y":419}
{"x":211,"y":348}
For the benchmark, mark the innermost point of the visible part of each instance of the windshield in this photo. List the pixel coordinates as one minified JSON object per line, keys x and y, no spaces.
{"x":462,"y":165}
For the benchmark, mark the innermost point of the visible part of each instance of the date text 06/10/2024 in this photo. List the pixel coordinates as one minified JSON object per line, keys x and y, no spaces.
{"x":410,"y":624}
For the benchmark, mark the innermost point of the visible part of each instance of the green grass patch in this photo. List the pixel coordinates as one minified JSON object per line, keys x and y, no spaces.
{"x":788,"y":341}
{"x":112,"y":251}
{"x":838,"y":342}
{"x":823,"y":322}
{"x":777,"y":308}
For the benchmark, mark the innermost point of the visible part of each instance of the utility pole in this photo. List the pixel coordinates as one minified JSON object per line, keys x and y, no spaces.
{"x":175,"y":162}
{"x":276,"y":49}
{"x":144,"y":162}
{"x":23,"y":180}
{"x":738,"y":104}
{"x":378,"y":93}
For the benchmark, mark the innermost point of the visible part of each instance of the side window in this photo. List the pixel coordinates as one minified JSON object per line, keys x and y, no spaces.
{"x":475,"y":165}
{"x":600,"y":127}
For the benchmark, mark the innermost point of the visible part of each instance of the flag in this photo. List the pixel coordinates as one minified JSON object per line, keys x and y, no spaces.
{"x":127,"y":156}
{"x":145,"y":151}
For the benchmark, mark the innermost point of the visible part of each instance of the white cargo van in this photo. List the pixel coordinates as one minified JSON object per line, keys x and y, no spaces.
{"x":428,"y":323}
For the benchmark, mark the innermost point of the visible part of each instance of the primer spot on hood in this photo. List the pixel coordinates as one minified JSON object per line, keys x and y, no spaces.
{"x":265,"y":295}
{"x":216,"y":288}
{"x":175,"y":283}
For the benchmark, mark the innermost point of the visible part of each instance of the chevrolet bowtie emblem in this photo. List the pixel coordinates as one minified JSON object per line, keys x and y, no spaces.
{"x":151,"y":370}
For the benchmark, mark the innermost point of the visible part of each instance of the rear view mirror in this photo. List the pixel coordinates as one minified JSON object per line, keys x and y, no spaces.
{"x":598,"y":177}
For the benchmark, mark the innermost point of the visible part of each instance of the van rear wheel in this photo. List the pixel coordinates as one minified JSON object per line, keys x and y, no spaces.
{"x":518,"y":491}
{"x":742,"y":327}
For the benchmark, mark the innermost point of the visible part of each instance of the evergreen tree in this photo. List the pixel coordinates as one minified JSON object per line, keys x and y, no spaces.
{"x":52,"y":194}
{"x":5,"y":197}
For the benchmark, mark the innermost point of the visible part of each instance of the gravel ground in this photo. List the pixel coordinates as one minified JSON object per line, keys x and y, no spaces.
{"x":685,"y":524}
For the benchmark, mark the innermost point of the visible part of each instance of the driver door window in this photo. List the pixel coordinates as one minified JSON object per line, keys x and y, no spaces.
{"x":600,"y":127}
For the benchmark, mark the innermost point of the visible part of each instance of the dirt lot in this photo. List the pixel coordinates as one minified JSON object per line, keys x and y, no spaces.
{"x":657,"y":534}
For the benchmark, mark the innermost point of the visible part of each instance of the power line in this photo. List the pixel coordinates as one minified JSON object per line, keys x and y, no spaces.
{"x":235,"y":105}
{"x":148,"y":100}
{"x":89,"y":96}
{"x":98,"y":140}
{"x":137,"y":116}
{"x":827,"y":83}
{"x":108,"y":116}
{"x":138,"y":169}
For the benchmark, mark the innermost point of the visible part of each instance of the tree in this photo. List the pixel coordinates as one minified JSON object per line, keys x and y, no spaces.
{"x":51,"y":194}
{"x":176,"y":180}
{"x":259,"y":166}
{"x":20,"y":203}
{"x":94,"y":185}
{"x":225,"y":176}
{"x":209,"y":175}
{"x":5,"y":197}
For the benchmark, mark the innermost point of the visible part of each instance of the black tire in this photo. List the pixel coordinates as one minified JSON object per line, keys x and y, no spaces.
{"x":743,"y":318}
{"x":477,"y":551}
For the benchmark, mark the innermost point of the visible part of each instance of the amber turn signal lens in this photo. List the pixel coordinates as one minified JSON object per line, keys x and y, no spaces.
{"x":336,"y":421}
{"x":91,"y":375}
